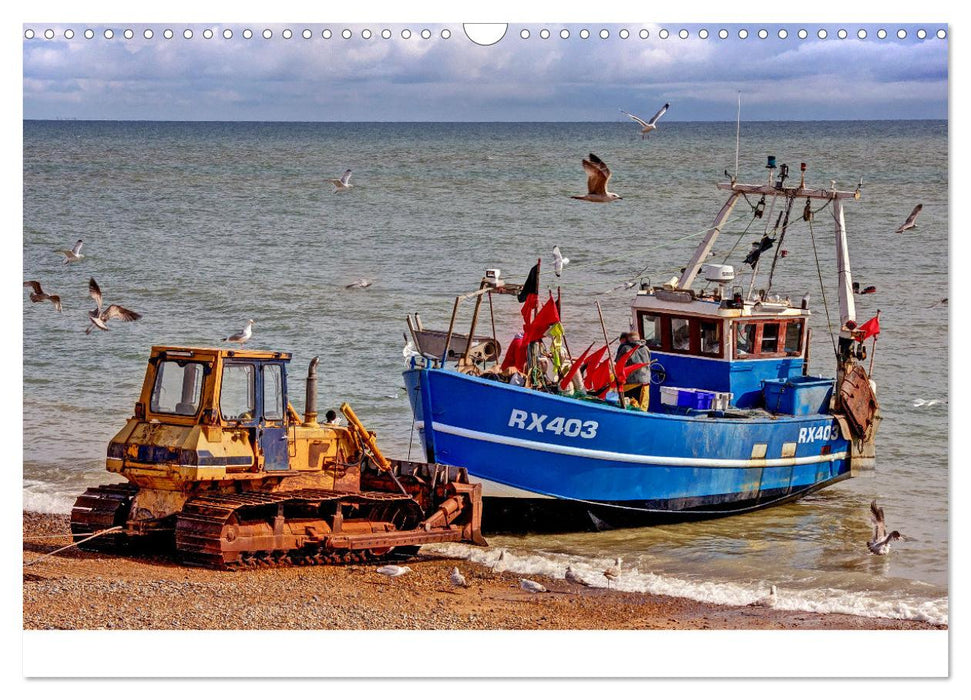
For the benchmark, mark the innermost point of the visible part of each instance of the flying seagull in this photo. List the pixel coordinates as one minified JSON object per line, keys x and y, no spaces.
{"x":99,"y":317}
{"x":558,"y":261}
{"x":911,"y":221}
{"x":243,"y":335}
{"x":651,"y":125}
{"x":344,"y":183}
{"x":457,"y":579}
{"x":598,"y":174}
{"x":362,"y":283}
{"x":74,"y":254}
{"x":39,"y":295}
{"x":880,"y":544}
{"x":612,"y":573}
{"x":531,"y":586}
{"x":393,"y":571}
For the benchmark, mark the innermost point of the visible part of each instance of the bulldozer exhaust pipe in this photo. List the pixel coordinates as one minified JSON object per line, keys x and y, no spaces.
{"x":310,"y":407}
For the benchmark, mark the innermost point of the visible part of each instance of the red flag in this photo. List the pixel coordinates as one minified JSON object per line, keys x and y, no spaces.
{"x":598,"y":378}
{"x":546,"y":317}
{"x":577,"y":364}
{"x":871,"y":327}
{"x":622,"y":369}
{"x":528,"y":309}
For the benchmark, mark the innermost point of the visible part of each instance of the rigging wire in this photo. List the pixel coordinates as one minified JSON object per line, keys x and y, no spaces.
{"x":822,"y":288}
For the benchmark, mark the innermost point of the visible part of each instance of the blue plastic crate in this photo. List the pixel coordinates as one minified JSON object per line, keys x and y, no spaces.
{"x":797,"y":396}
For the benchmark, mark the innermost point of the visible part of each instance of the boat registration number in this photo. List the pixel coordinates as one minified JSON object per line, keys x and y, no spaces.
{"x":819,"y":432}
{"x":558,"y":425}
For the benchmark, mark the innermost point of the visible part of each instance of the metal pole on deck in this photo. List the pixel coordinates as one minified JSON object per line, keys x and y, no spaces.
{"x":620,"y":389}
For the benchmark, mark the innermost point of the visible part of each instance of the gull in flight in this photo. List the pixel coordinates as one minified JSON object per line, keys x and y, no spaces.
{"x":457,"y":579}
{"x":342,"y":183}
{"x":74,"y":254}
{"x":393,"y":571}
{"x":99,"y":317}
{"x":612,"y":573}
{"x":880,"y":544}
{"x":531,"y":586}
{"x":558,"y":261}
{"x":651,"y":125}
{"x":598,"y":174}
{"x":243,"y":335}
{"x":911,"y":221}
{"x":362,"y":283}
{"x":39,"y":295}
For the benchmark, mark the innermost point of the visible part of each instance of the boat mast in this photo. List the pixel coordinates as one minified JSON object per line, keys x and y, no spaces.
{"x":704,"y":248}
{"x":847,"y":303}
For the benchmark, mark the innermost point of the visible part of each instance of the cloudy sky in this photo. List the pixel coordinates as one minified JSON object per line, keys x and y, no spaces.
{"x":452,"y":79}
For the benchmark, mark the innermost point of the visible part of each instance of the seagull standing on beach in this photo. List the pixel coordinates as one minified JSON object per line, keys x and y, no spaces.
{"x":343,"y":183}
{"x":457,"y":579}
{"x":573,"y":577}
{"x":767,"y":601}
{"x":99,"y":317}
{"x":531,"y":586}
{"x":598,"y":174}
{"x":499,"y":559}
{"x":612,"y":573}
{"x":558,"y":261}
{"x":393,"y":571}
{"x":880,"y":544}
{"x":39,"y":295}
{"x":74,"y":254}
{"x":650,"y":125}
{"x":911,"y":221}
{"x":241,"y":336}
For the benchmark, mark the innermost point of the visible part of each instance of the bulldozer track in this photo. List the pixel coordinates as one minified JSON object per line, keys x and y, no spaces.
{"x":100,"y":508}
{"x":256,"y":530}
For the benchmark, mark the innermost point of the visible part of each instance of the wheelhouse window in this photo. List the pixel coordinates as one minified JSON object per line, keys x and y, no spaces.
{"x":651,"y":331}
{"x":793,"y":344}
{"x":237,"y":400}
{"x":770,"y":339}
{"x":273,"y":392}
{"x":745,"y":338}
{"x":680,"y":334}
{"x":711,"y":337}
{"x":178,"y":388}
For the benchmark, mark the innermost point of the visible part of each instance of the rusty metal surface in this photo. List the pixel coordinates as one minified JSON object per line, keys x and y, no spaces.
{"x":859,"y":402}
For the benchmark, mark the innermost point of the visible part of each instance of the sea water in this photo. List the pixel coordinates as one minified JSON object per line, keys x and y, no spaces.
{"x":201,"y":226}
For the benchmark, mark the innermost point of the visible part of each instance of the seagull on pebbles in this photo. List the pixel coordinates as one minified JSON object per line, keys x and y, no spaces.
{"x":392,"y":571}
{"x":598,"y":174}
{"x":499,"y":560}
{"x":880,"y":544}
{"x":457,"y":579}
{"x":99,"y":317}
{"x":650,"y":125}
{"x":558,"y":261}
{"x":39,"y":295}
{"x":768,"y":600}
{"x":612,"y":573}
{"x":74,"y":254}
{"x":343,"y":183}
{"x":531,"y":586}
{"x":241,"y":336}
{"x":573,"y":577}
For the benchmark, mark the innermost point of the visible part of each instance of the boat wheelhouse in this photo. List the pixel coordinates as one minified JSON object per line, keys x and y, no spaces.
{"x":732,"y":420}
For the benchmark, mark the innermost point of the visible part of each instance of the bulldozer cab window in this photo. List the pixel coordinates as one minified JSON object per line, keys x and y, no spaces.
{"x":237,"y":400}
{"x":273,"y":392}
{"x":178,"y":388}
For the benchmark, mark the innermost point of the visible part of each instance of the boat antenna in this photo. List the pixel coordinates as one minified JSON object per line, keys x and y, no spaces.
{"x":738,"y":127}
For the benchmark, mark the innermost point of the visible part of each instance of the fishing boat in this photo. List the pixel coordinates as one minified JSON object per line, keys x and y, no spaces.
{"x":730,"y":420}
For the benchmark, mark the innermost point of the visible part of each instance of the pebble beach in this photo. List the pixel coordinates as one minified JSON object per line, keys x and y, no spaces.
{"x":78,"y":590}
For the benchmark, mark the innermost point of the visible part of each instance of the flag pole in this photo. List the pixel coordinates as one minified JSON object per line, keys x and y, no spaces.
{"x":603,"y":327}
{"x":873,"y":348}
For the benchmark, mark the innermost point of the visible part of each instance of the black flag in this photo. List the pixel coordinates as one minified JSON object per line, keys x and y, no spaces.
{"x":531,"y":286}
{"x":758,"y":249}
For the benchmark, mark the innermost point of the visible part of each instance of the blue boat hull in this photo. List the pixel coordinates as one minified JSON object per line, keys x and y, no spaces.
{"x":553,"y":462}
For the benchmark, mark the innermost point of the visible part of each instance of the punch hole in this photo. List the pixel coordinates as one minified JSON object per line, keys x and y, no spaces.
{"x":109,"y":34}
{"x":208,"y":34}
{"x":941,"y":34}
{"x":247,"y":33}
{"x":365,"y":33}
{"x":544,"y":34}
{"x":702,"y":33}
{"x":347,"y":34}
{"x":385,"y":33}
{"x":921,"y":34}
{"x":722,"y":33}
{"x":822,"y":34}
{"x":683,"y":33}
{"x":564,"y":33}
{"x":524,"y":34}
{"x":168,"y":34}
{"x":743,"y":33}
{"x":405,"y":33}
{"x":306,"y":33}
{"x":68,"y":33}
{"x":227,"y":33}
{"x":604,"y":34}
{"x":326,"y":34}
{"x":663,"y":33}
{"x":425,"y":34}
{"x":623,"y":34}
{"x":901,"y":33}
{"x":446,"y":34}
{"x":287,"y":34}
{"x":486,"y":34}
{"x":802,"y":33}
{"x":763,"y":34}
{"x":584,"y":34}
{"x":881,"y":34}
{"x":187,"y":34}
{"x":128,"y":34}
{"x":783,"y":34}
{"x":861,"y":34}
{"x":88,"y":33}
{"x":841,"y":33}
{"x":148,"y":34}
{"x":643,"y":34}
{"x":267,"y":34}
{"x":49,"y":34}
{"x":29,"y":34}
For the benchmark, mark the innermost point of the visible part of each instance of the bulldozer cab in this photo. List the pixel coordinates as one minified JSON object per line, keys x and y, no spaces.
{"x":233,"y":389}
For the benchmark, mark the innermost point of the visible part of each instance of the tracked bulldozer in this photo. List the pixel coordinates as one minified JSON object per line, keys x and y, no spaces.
{"x":220,"y":466}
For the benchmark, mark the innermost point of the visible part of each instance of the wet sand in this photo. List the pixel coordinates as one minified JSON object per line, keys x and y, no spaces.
{"x":93,"y":591}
